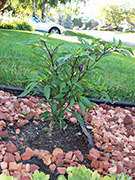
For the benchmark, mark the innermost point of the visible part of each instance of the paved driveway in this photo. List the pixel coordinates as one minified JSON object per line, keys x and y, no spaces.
{"x":126,"y":38}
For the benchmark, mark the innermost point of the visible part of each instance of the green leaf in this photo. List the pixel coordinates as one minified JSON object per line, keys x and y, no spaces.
{"x":59,"y":96}
{"x":61,"y":177}
{"x":82,"y":107}
{"x":128,"y":49}
{"x":86,"y":102}
{"x":44,"y":115}
{"x":95,"y":176}
{"x":120,"y":43}
{"x":105,"y":94}
{"x":63,"y":85}
{"x":47,"y":91}
{"x":54,"y":107}
{"x":72,"y":102}
{"x":28,"y":89}
{"x":79,"y":118}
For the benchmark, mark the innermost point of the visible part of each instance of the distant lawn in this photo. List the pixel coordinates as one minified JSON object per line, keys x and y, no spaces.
{"x":16,"y":60}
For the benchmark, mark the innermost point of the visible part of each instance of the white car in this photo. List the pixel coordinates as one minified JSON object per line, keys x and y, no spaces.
{"x":49,"y":27}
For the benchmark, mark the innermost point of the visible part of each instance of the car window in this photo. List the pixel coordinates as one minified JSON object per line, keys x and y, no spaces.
{"x":36,"y":19}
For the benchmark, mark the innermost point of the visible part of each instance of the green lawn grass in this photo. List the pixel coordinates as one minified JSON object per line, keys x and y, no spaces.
{"x":17,"y":58}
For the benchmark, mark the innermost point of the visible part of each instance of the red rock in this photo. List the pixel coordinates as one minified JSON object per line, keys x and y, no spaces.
{"x":11,"y":147}
{"x":4,"y":134}
{"x":100,"y":165}
{"x":21,"y":139}
{"x":16,"y":174}
{"x":14,"y":138}
{"x":74,"y":157}
{"x":7,"y":117}
{"x":35,"y":122}
{"x":60,"y":156}
{"x":89,"y":117}
{"x":24,"y":177}
{"x":92,"y":157}
{"x":104,"y":106}
{"x":13,"y":166}
{"x":28,"y":103}
{"x":59,"y":162}
{"x":17,"y":156}
{"x":52,"y":167}
{"x":2,"y":115}
{"x":112,"y":170}
{"x":120,"y":168}
{"x":47,"y":159}
{"x":34,"y":100}
{"x":98,"y":145}
{"x":27,"y":154}
{"x":95,"y":164}
{"x":133,"y":145}
{"x":10,"y":124}
{"x":57,"y":151}
{"x":61,"y":170}
{"x":79,"y":111}
{"x":73,"y":120}
{"x":17,"y":131}
{"x":69,"y":155}
{"x":105,"y":165}
{"x":2,"y":124}
{"x":128,"y":164}
{"x":21,"y":122}
{"x":21,"y":143}
{"x":95,"y":152}
{"x":2,"y":93}
{"x":8,"y":157}
{"x":127,"y":120}
{"x":53,"y":159}
{"x":33,"y":167}
{"x":79,"y":155}
{"x":3,"y":165}
{"x":16,"y":105}
{"x":68,"y":161}
{"x":1,"y":157}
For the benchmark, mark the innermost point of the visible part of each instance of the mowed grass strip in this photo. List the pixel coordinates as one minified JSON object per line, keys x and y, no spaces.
{"x":17,"y":58}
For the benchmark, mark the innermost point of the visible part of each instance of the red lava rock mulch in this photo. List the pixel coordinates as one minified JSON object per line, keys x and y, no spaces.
{"x":113,"y":131}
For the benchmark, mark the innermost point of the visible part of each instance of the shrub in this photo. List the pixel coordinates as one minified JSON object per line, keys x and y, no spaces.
{"x":88,"y":24}
{"x":39,"y":176}
{"x":5,"y":177}
{"x":84,"y":173}
{"x":15,"y":24}
{"x":22,"y":25}
{"x":77,"y":22}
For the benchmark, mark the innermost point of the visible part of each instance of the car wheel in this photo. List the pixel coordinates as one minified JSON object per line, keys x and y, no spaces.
{"x":54,"y":30}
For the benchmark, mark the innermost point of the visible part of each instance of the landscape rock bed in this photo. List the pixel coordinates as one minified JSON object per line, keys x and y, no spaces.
{"x":24,"y":145}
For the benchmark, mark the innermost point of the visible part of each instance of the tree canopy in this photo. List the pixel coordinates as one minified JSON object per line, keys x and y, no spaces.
{"x":113,"y":14}
{"x":39,"y":5}
{"x":130,"y":17}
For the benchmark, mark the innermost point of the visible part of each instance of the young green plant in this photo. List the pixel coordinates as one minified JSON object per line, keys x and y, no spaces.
{"x":64,"y":76}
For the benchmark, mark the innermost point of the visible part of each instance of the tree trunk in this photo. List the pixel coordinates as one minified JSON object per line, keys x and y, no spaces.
{"x":34,"y":8}
{"x":43,"y":12}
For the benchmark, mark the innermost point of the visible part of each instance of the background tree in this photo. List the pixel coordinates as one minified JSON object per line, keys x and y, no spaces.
{"x":113,"y":14}
{"x":43,"y":5}
{"x":130,"y":17}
